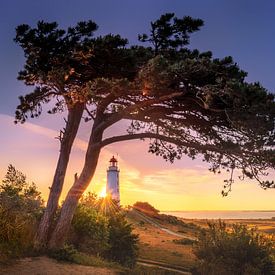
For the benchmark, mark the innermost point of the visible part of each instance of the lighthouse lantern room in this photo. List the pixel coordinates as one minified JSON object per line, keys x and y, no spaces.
{"x":112,"y":187}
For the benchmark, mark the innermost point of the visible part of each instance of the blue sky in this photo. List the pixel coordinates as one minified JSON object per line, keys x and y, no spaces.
{"x":243,"y":29}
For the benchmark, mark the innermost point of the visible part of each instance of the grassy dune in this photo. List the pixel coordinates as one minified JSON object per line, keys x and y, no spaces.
{"x":160,"y":246}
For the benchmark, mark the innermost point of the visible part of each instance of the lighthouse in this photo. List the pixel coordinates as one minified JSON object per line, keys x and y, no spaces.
{"x":112,"y":187}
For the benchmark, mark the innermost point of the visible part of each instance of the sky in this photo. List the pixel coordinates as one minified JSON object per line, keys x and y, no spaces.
{"x":242,"y":29}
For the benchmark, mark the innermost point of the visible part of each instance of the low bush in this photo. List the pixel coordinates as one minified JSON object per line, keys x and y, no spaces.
{"x":185,"y":241}
{"x":191,"y":225}
{"x":90,"y":230}
{"x":234,"y":250}
{"x":146,"y":208}
{"x":66,"y":254}
{"x":99,"y":228}
{"x":69,"y":254}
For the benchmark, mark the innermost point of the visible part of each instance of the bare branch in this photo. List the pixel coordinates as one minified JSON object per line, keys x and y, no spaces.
{"x":135,"y":107}
{"x":89,"y":113}
{"x":203,"y":148}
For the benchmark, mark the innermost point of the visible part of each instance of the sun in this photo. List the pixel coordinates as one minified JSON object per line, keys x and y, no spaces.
{"x":102,"y":193}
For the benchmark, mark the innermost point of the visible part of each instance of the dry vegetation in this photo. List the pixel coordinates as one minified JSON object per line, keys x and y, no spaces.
{"x":266,"y":226}
{"x":158,"y":245}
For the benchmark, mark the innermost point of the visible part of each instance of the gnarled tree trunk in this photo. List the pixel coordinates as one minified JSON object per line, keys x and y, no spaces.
{"x":80,"y":184}
{"x":71,"y":128}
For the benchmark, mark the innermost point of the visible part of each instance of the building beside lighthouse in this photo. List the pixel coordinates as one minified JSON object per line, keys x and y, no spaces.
{"x":112,"y":187}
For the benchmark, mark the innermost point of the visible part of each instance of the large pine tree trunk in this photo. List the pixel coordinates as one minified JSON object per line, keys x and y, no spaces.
{"x":72,"y":125}
{"x":68,"y":208}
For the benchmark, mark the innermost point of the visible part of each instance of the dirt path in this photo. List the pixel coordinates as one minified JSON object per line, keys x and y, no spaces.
{"x":148,"y":220}
{"x":46,"y":266}
{"x":163,"y":266}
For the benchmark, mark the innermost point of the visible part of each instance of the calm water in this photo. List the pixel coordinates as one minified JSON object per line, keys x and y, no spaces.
{"x":222,"y":214}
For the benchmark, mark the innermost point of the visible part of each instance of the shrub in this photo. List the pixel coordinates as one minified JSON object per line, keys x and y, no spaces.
{"x":146,"y":208}
{"x":123,"y":243}
{"x":100,"y":228}
{"x":67,"y":253}
{"x":20,"y":210}
{"x":235,"y":250}
{"x":90,"y":230}
{"x":185,"y":241}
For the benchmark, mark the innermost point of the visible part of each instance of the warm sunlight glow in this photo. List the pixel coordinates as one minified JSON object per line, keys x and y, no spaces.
{"x":102,"y":193}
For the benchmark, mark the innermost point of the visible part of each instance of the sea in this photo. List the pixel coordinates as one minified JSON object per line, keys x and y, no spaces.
{"x":222,"y":214}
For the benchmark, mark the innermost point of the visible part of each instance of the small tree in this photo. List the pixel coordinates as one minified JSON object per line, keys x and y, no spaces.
{"x":20,"y":210}
{"x":122,"y":242}
{"x":99,"y":227}
{"x":90,"y":232}
{"x":234,"y":250}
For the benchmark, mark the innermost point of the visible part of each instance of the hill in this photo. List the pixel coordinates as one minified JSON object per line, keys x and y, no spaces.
{"x":165,"y":240}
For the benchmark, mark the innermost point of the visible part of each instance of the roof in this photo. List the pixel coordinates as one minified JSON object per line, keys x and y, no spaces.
{"x":113,"y":159}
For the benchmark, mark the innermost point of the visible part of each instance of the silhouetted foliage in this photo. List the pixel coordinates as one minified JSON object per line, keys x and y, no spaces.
{"x":60,"y":63}
{"x":20,"y":209}
{"x":146,"y":208}
{"x":234,"y":250}
{"x":67,"y":253}
{"x":105,"y":233}
{"x":185,"y":241}
{"x":123,"y":243}
{"x":170,"y":32}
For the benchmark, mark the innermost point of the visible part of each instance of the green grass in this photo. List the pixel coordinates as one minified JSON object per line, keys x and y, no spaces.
{"x":70,"y":254}
{"x":90,"y":260}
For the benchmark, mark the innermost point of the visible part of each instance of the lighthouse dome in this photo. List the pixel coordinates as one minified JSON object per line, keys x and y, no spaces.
{"x":113,"y":159}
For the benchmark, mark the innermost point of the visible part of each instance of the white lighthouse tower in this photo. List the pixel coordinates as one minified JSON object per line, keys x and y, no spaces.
{"x":112,"y":187}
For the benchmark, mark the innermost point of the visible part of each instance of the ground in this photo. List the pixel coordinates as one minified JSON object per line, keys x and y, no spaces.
{"x":158,"y":245}
{"x":46,"y":266}
{"x":159,"y":251}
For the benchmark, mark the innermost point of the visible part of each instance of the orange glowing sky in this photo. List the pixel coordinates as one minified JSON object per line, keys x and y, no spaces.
{"x":184,"y":185}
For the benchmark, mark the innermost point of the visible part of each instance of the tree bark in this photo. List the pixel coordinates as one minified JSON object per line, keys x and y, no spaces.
{"x":80,"y":184}
{"x":71,"y":128}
